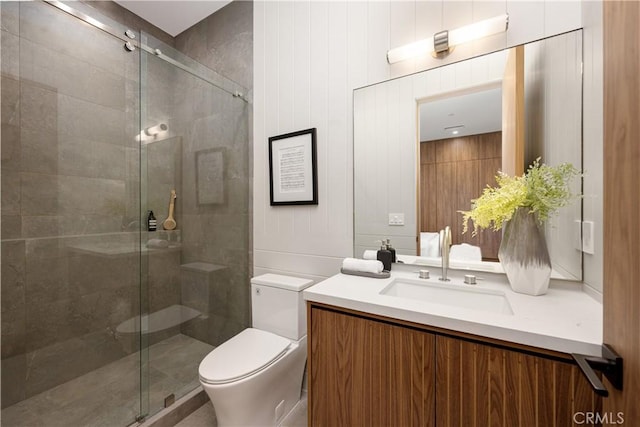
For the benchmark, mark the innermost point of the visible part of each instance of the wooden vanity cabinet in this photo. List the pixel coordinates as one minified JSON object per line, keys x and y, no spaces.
{"x":368,"y":373}
{"x":366,"y":370}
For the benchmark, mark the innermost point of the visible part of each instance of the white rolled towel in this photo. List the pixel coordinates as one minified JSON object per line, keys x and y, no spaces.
{"x":370,"y":254}
{"x":364,"y":265}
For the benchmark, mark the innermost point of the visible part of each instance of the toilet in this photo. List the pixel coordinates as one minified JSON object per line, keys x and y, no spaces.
{"x":255,"y":378}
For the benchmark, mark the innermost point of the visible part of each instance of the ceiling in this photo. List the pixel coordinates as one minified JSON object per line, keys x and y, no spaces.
{"x":173,"y":17}
{"x":477,"y":113}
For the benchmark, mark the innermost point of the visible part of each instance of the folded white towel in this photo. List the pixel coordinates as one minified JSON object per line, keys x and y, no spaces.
{"x":365,"y":265}
{"x":370,"y":254}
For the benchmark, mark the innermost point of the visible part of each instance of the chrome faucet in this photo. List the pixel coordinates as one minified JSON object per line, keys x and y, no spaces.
{"x":445,"y":246}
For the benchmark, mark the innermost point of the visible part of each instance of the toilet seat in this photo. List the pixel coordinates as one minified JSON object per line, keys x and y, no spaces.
{"x":243,"y":355}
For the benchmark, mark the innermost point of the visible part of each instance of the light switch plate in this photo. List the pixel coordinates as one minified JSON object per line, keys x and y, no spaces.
{"x":587,"y":237}
{"x":396,"y":219}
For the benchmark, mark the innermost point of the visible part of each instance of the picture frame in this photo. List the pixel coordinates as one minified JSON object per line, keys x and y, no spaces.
{"x":293,"y":174}
{"x":210,"y":177}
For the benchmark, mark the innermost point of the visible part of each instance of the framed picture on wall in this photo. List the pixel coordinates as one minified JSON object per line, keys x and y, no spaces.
{"x":210,"y":177}
{"x":293,"y":175}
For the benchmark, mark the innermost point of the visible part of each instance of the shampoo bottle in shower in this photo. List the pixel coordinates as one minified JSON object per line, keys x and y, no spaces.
{"x":152,"y":223}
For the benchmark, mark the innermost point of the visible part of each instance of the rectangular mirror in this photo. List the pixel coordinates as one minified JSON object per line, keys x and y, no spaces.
{"x":426,"y":144}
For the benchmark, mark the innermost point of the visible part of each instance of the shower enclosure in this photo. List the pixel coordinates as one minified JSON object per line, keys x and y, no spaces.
{"x":105,"y":322}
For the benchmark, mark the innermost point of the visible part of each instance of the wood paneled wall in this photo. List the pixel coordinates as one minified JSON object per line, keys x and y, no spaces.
{"x":513,"y":113}
{"x":622,"y":200}
{"x":452,"y":173}
{"x":479,"y":385}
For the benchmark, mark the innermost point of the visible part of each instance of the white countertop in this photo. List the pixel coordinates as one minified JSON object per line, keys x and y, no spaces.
{"x":565,"y":319}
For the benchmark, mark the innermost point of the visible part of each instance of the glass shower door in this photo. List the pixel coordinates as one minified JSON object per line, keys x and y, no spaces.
{"x":104,"y":322}
{"x":195,"y":143}
{"x":70,"y":220}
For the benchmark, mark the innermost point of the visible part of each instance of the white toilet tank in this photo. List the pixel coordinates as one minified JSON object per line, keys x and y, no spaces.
{"x":277,"y":305}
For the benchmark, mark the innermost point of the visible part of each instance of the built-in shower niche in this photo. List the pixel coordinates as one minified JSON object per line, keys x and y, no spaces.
{"x":162,"y":160}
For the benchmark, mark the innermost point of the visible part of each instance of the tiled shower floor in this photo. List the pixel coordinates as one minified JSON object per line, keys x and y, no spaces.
{"x":110,"y":395}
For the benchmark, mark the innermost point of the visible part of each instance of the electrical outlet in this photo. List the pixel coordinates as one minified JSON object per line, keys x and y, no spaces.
{"x":396,"y":219}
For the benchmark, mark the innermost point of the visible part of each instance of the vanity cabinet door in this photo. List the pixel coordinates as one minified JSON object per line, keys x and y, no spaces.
{"x":365,"y":372}
{"x":481,"y":385}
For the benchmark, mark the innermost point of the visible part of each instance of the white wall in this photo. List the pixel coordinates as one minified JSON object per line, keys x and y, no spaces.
{"x":308,"y":58}
{"x":592,"y":139}
{"x":553,"y":122}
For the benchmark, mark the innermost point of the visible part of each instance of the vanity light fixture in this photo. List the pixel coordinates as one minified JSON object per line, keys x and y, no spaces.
{"x":443,"y":42}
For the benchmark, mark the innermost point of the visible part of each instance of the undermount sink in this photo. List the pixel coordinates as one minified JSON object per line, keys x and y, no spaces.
{"x":462,"y":296}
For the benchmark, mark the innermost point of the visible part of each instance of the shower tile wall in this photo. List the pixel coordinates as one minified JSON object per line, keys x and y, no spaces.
{"x":219,"y":234}
{"x":71,"y":191}
{"x":223,"y":42}
{"x":215,"y":235}
{"x":70,"y":265}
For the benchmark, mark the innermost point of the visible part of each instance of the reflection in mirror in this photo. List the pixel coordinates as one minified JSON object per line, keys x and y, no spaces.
{"x":413,"y":173}
{"x":460,"y":152}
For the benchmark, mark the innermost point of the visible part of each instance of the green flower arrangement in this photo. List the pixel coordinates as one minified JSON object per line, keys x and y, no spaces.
{"x":543,"y":189}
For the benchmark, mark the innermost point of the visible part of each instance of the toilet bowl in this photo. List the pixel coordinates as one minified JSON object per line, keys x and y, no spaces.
{"x":255,"y":378}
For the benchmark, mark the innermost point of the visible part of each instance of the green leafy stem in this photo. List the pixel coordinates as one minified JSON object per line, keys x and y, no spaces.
{"x":543,"y":189}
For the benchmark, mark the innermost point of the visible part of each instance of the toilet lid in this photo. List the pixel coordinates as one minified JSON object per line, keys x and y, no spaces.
{"x":244,"y":354}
